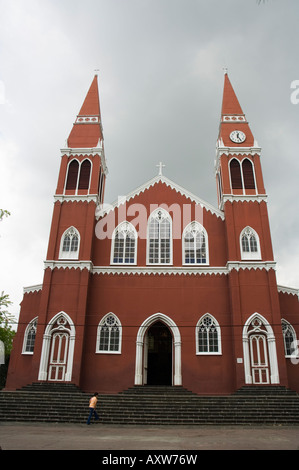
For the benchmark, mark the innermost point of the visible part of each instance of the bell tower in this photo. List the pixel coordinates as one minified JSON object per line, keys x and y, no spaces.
{"x":69,"y":262}
{"x":250,"y":259}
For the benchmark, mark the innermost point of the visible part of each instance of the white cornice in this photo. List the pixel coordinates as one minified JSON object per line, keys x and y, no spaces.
{"x":76,"y":198}
{"x":69,"y":264}
{"x":288,"y":290}
{"x":243,"y":198}
{"x":101,"y":212}
{"x":159,"y":270}
{"x":237,"y":265}
{"x":92,"y":151}
{"x":28,"y":290}
{"x":221,"y":149}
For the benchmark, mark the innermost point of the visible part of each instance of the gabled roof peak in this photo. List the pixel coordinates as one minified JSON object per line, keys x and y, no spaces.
{"x":102,"y":211}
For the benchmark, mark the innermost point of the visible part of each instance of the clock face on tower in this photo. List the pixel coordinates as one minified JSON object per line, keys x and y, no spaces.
{"x":237,"y":136}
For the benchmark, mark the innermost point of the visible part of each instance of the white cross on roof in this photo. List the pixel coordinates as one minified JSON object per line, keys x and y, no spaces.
{"x":160,"y":166}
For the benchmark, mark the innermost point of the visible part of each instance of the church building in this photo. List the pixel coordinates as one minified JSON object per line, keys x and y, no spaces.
{"x":161,"y":287}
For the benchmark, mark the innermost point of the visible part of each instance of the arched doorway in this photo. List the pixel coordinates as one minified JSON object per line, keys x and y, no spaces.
{"x":56,"y":362}
{"x":260,"y":358}
{"x":172,"y":332}
{"x":159,"y":355}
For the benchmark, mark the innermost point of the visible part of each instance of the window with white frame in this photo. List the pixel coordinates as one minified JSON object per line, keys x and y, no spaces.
{"x":250,"y":244}
{"x":195,"y":244}
{"x":78,"y":175}
{"x":159,"y":241}
{"x":29,"y":337}
{"x":289,"y":338}
{"x":109,"y":335}
{"x":208,"y":337}
{"x":124,"y":244}
{"x":69,"y":245}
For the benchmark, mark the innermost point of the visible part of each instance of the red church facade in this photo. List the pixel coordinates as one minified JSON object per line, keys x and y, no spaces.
{"x":160,"y":288}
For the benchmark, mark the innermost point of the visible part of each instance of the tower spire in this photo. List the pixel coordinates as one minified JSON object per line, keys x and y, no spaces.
{"x":233,"y":119}
{"x":87,"y":130}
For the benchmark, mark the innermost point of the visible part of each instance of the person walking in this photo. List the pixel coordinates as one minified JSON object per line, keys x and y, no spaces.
{"x":92,"y":408}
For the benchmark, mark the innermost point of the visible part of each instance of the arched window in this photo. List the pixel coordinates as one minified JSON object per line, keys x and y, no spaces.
{"x":159,"y":241}
{"x":72,"y":175}
{"x":29,"y":337}
{"x":69,"y":245}
{"x":248,"y":175}
{"x":208,"y":337}
{"x":124,"y":244}
{"x":84,"y":175}
{"x":235,"y":174}
{"x":289,"y":338}
{"x":109,"y":335}
{"x":250,"y":244}
{"x":195,"y":244}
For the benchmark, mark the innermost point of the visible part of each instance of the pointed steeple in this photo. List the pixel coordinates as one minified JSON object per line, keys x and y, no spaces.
{"x":87,"y":130}
{"x":234,"y":129}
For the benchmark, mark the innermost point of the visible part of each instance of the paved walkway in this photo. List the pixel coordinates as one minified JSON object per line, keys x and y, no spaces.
{"x":29,"y":436}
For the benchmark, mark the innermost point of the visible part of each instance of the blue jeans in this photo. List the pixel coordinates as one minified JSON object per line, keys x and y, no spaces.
{"x":91,"y":412}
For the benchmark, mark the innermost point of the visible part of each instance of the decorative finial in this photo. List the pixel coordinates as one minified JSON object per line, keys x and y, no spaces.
{"x":225,"y":70}
{"x":160,"y":166}
{"x":96,"y":71}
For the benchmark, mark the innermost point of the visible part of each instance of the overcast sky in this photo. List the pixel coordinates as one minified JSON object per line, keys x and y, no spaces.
{"x":160,"y":68}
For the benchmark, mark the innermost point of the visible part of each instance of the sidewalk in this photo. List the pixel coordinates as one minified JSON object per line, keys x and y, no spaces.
{"x":40,"y":436}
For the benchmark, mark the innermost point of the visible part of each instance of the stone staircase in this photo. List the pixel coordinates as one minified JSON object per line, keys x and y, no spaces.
{"x":66,"y":403}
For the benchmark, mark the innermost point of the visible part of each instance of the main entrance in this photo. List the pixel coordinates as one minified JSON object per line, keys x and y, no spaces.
{"x":159,"y":355}
{"x":162,"y":334}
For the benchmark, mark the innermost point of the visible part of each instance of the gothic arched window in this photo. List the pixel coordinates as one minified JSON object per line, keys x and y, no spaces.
{"x":72,"y":175}
{"x":69,"y":245}
{"x":208,"y":338}
{"x":159,"y":241}
{"x":235,"y":174}
{"x":289,"y":338}
{"x":29,"y":337}
{"x":248,"y":174}
{"x":250,"y":244}
{"x":109,"y":335}
{"x":84,"y":175}
{"x":195,"y":244}
{"x":124,"y":244}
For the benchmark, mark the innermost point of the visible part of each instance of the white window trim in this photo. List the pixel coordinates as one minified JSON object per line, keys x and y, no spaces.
{"x":207,"y":353}
{"x":127,"y":226}
{"x":251,"y":255}
{"x":78,"y":175}
{"x":200,"y":227}
{"x":72,"y":255}
{"x":241,"y":173}
{"x":28,"y":353}
{"x":152,"y":215}
{"x":101,"y":323}
{"x":295,"y":353}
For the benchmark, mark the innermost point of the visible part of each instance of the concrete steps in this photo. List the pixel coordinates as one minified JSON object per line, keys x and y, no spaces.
{"x":54,"y":402}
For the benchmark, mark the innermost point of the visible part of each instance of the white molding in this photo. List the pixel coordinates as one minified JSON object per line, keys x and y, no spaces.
{"x":288,"y":290}
{"x":160,"y":271}
{"x":68,"y":264}
{"x":89,"y":152}
{"x":160,"y":178}
{"x":140,"y":340}
{"x":79,"y":198}
{"x":237,"y":265}
{"x":29,"y":289}
{"x":242,"y":198}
